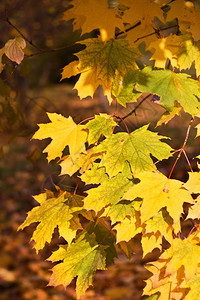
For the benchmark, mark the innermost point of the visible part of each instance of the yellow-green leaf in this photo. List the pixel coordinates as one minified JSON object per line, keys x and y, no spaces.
{"x":82,"y":258}
{"x":51,"y":213}
{"x":135,"y":148}
{"x":63,"y":132}
{"x":100,"y":125}
{"x":172,"y":87}
{"x":98,"y":63}
{"x":182,"y":253}
{"x":157,"y":192}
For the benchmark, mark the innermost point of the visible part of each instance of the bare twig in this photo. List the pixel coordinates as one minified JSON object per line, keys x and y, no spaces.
{"x":20,"y":33}
{"x":182,"y":149}
{"x":132,"y":111}
{"x":40,"y":51}
{"x":156,"y":31}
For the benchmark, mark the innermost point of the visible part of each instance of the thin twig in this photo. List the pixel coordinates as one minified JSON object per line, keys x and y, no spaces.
{"x":48,"y":51}
{"x":186,"y":157}
{"x":182,"y":148}
{"x":40,"y":51}
{"x":156,"y":31}
{"x":134,"y":110}
{"x":22,"y":35}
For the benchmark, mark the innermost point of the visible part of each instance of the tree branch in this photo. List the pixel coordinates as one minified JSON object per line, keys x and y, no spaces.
{"x":40,"y":51}
{"x":156,"y":31}
{"x":19,"y":31}
{"x":133,"y":111}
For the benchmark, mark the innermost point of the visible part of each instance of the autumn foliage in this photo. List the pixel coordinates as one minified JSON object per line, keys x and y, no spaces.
{"x":127,"y":194}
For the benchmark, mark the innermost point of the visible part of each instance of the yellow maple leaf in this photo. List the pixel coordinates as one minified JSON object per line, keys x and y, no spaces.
{"x":63,"y":132}
{"x":150,"y":242}
{"x":158,"y":191}
{"x":198,"y":130}
{"x":194,"y":210}
{"x":168,"y":286}
{"x":181,"y":50}
{"x":127,"y":229}
{"x":182,"y":253}
{"x":160,"y":223}
{"x":136,"y":13}
{"x":83,"y":161}
{"x":169,"y":115}
{"x":165,"y":48}
{"x":193,"y":183}
{"x":188,"y":16}
{"x":89,"y":15}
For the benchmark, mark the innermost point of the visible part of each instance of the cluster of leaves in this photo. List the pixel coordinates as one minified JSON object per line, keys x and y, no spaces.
{"x":126,"y":193}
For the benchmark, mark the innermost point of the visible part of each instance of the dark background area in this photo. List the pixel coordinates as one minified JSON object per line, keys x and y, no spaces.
{"x":27,"y":92}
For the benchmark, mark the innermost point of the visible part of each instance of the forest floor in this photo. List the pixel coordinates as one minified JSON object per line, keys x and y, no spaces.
{"x":24,"y":172}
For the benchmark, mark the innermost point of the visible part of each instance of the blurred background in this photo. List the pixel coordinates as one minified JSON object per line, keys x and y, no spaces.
{"x":27,"y":92}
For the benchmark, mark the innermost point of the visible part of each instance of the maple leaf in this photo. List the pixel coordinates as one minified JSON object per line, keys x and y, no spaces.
{"x":51,"y":213}
{"x":134,"y":148}
{"x":89,"y":15}
{"x":157,"y":192}
{"x":119,"y":211}
{"x":169,"y":115}
{"x":161,"y":222}
{"x":127,"y":229}
{"x":172,"y":87}
{"x":136,"y":13}
{"x":188,"y":17}
{"x":13,"y":49}
{"x":123,"y":90}
{"x":105,"y":237}
{"x":194,"y":285}
{"x":182,"y":253}
{"x":63,"y":132}
{"x":165,"y":48}
{"x":94,"y":176}
{"x":82,"y":258}
{"x":198,"y":129}
{"x":194,"y":210}
{"x":100,"y":125}
{"x":181,"y":50}
{"x":150,"y":242}
{"x":193,"y":183}
{"x":109,"y":191}
{"x":83,"y":161}
{"x":98,"y":63}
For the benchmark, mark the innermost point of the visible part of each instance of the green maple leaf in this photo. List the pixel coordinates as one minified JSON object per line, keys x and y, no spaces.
{"x":119,"y":211}
{"x":172,"y":87}
{"x":51,"y":213}
{"x":105,"y":237}
{"x":123,"y":89}
{"x":109,"y":191}
{"x":134,"y":148}
{"x":98,"y":63}
{"x":101,"y":125}
{"x":82,"y":258}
